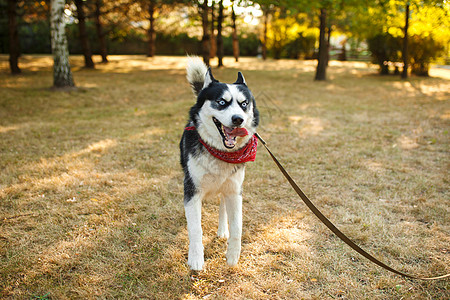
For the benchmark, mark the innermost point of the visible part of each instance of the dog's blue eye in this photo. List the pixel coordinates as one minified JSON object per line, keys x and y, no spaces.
{"x":222,"y":102}
{"x":244,"y":104}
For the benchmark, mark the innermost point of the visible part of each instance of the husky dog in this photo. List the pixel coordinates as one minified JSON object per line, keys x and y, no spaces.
{"x":217,"y":141}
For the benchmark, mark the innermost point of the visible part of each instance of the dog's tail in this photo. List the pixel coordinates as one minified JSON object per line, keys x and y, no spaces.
{"x":196,"y":71}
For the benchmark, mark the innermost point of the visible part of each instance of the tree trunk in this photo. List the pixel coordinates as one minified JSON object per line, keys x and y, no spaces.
{"x":343,"y":54}
{"x":384,"y":68}
{"x":405,"y":44}
{"x":420,"y":69}
{"x":213,"y":46}
{"x":205,"y":38}
{"x":323,"y":48}
{"x":328,"y":42}
{"x":100,"y":33}
{"x":264,"y":41}
{"x":14,"y":47}
{"x":151,"y":30}
{"x":219,"y":35}
{"x":88,"y":63}
{"x":234,"y":35}
{"x":62,"y":75}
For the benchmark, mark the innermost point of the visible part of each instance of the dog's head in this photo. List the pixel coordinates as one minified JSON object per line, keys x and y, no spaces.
{"x":225,"y":115}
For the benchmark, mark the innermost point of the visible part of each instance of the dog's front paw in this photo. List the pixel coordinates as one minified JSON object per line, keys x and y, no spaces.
{"x":222,"y":232}
{"x":233,"y":253}
{"x":196,"y":263}
{"x":196,"y":259}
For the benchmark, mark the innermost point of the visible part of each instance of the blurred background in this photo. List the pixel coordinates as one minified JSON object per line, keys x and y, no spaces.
{"x":352,"y":30}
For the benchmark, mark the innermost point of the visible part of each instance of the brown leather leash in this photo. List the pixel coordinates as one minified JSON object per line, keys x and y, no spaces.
{"x":333,"y":228}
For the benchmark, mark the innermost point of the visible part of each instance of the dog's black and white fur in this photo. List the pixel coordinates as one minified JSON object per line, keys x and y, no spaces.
{"x":220,"y":108}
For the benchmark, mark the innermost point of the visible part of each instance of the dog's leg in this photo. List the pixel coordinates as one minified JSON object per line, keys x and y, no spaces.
{"x":193,"y":211}
{"x":234,"y":212}
{"x":222,"y":232}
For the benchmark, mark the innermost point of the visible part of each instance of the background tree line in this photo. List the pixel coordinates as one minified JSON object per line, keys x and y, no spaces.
{"x":398,"y":33}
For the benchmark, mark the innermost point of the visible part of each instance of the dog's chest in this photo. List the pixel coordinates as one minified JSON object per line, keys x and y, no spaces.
{"x":209,"y":174}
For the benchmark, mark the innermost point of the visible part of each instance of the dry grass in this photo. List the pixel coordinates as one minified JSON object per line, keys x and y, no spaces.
{"x":91,"y":188}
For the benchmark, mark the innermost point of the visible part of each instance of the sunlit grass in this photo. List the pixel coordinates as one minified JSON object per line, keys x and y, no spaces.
{"x":91,"y":187}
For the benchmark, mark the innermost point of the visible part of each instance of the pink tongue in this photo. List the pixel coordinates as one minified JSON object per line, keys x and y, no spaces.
{"x":235,"y":132}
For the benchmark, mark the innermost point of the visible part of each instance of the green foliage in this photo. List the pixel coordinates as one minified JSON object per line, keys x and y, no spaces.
{"x":72,"y":32}
{"x":423,"y":50}
{"x":292,"y":29}
{"x":303,"y":46}
{"x":384,"y":48}
{"x":4,"y":43}
{"x":44,"y":297}
{"x":176,"y":44}
{"x":36,"y":36}
{"x":387,"y":48}
{"x":291,"y":36}
{"x":248,"y":44}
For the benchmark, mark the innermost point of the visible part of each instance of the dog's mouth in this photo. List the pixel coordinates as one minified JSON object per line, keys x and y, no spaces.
{"x":228,"y":134}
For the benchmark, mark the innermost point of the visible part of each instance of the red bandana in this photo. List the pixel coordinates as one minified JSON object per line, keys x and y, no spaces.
{"x":245,"y":154}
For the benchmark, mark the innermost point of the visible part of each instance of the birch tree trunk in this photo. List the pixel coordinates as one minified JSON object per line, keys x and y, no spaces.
{"x":62,"y":75}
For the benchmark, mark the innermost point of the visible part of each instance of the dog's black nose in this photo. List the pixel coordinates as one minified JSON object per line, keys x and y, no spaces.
{"x":237,"y":120}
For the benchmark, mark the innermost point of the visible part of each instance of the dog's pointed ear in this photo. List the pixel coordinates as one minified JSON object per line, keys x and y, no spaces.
{"x":240,"y":79}
{"x":209,"y":78}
